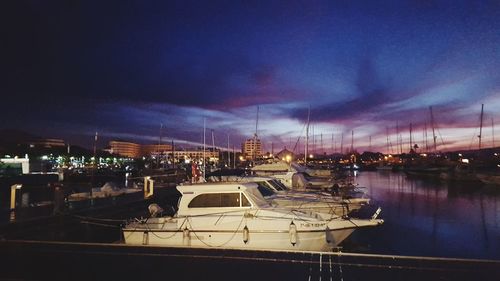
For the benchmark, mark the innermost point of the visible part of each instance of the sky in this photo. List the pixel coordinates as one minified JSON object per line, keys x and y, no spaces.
{"x":365,"y":70}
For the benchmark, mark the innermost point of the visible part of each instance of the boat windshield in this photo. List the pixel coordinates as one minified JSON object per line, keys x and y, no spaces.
{"x":265,"y":189}
{"x":278,"y":185}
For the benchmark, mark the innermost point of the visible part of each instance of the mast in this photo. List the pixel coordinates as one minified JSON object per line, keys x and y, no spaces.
{"x":228,"y":154}
{"x":306,"y":151}
{"x":333,"y":144}
{"x":234,"y":157}
{"x":481,"y":126}
{"x":399,"y":140}
{"x":411,"y":140}
{"x":352,"y":141}
{"x":492,"y":134}
{"x":425,"y":138}
{"x":387,"y":135}
{"x":254,"y":151}
{"x":95,"y":164}
{"x":204,"y":144}
{"x":173,"y":154}
{"x":342,"y":143}
{"x":159,"y":145}
{"x":433,"y":129}
{"x":321,"y":143}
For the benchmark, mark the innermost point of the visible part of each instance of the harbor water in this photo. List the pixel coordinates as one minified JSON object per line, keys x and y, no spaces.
{"x":429,"y":217}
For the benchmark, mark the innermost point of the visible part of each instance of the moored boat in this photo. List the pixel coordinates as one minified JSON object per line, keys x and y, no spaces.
{"x":236,"y":215}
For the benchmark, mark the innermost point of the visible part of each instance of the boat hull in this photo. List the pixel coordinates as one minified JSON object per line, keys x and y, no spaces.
{"x":255,"y":240}
{"x":243,"y":233}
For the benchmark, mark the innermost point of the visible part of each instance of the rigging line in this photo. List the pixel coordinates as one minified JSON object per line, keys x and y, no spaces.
{"x":298,"y":139}
{"x":97,"y":219}
{"x":100,"y":224}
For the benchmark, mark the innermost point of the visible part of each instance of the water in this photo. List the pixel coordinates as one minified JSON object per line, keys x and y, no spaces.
{"x":430,"y":218}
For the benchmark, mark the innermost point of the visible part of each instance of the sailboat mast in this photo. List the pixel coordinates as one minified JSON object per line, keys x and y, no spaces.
{"x":387,"y":135}
{"x":352,"y":141}
{"x":481,"y":126}
{"x":433,"y":130}
{"x":228,"y":153}
{"x":342,"y":143}
{"x":306,"y":151}
{"x":411,"y":139}
{"x":254,"y":150}
{"x":321,"y":143}
{"x":399,"y":141}
{"x":492,"y":134}
{"x":159,"y":146}
{"x":204,"y":144}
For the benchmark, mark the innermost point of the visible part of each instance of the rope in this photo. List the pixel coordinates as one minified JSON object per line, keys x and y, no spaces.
{"x":98,"y":219}
{"x":208,"y":245}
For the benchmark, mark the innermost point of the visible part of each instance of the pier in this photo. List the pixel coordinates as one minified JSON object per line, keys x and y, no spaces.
{"x":43,"y":260}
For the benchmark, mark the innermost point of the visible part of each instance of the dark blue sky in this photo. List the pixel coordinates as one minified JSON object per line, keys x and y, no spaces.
{"x":70,"y":68}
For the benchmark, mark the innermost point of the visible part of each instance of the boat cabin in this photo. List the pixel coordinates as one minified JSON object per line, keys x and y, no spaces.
{"x":206,"y":198}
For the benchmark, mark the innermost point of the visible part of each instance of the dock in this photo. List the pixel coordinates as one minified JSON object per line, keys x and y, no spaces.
{"x":43,"y":260}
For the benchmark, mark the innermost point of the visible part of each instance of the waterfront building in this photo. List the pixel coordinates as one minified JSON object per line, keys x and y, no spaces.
{"x":155,"y":149}
{"x":47,"y":143}
{"x":134,"y":150}
{"x":127,"y":149}
{"x":251,"y":148}
{"x":184,"y":155}
{"x":285,"y":155}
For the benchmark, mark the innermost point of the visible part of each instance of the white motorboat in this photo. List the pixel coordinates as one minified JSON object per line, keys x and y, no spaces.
{"x":279,"y":195}
{"x":236,"y":215}
{"x":293,"y":176}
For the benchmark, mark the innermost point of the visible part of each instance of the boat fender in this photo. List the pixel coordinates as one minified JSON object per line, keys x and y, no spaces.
{"x":145,"y":238}
{"x":246,"y":234}
{"x":185,"y":234}
{"x":293,"y":233}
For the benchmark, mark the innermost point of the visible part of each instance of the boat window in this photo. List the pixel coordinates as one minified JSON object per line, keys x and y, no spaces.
{"x":244,"y":201}
{"x":264,"y":190}
{"x":230,"y":200}
{"x":217,"y":200}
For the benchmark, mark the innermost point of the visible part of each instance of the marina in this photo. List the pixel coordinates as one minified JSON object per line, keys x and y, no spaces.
{"x":420,"y":216}
{"x":250,"y":140}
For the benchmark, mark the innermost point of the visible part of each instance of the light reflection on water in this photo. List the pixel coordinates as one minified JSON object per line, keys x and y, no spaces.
{"x":430,"y":218}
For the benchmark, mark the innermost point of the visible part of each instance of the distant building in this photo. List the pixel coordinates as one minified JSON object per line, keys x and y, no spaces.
{"x":134,"y":150}
{"x":47,"y":143}
{"x":251,"y":148}
{"x":126,"y":149}
{"x":285,"y":155}
{"x":197,"y":154}
{"x":154,"y":149}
